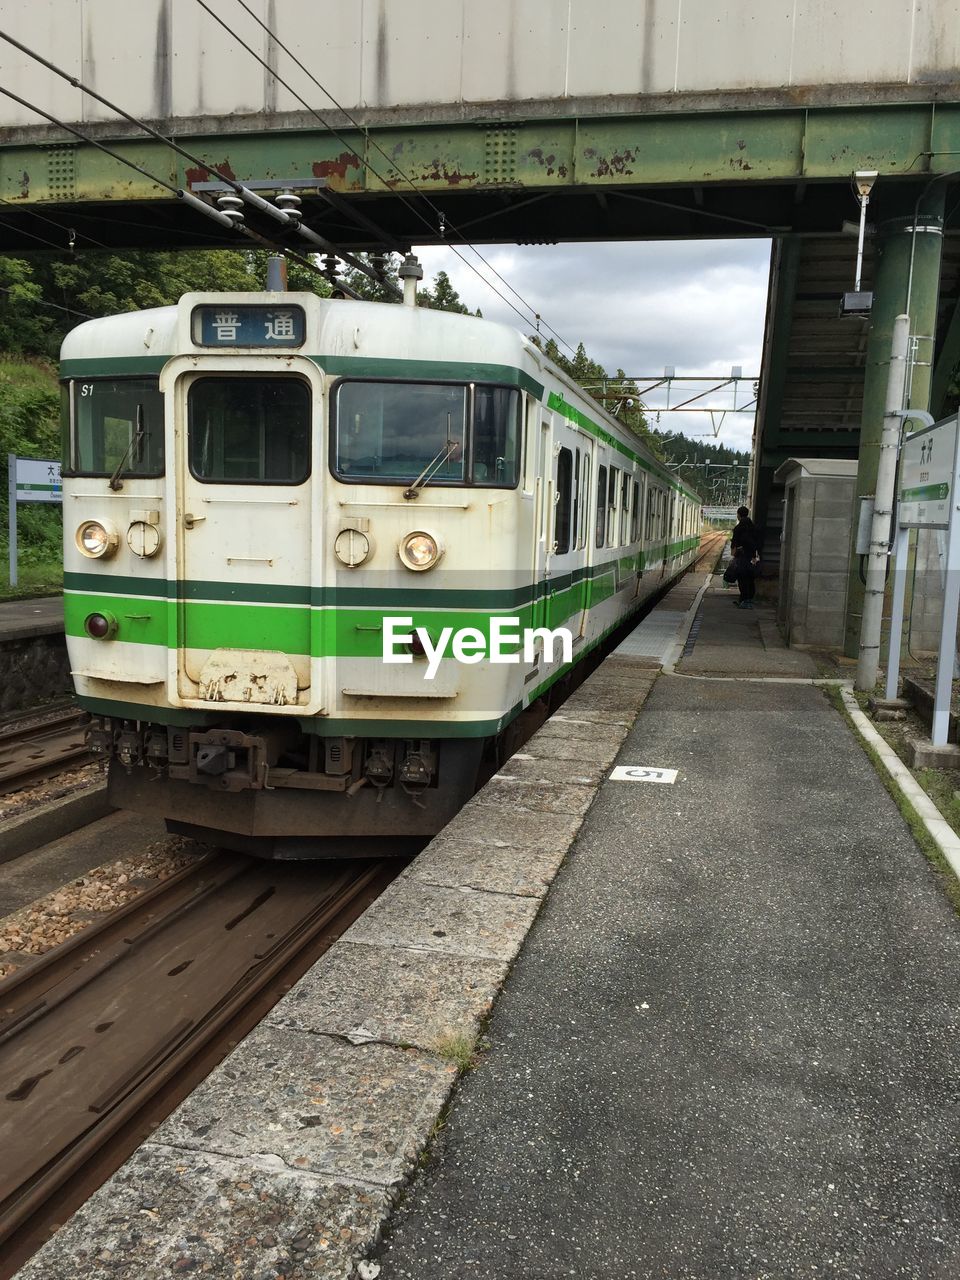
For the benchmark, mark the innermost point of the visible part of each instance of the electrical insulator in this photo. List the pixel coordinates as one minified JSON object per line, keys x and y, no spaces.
{"x":232,"y":206}
{"x":290,"y":203}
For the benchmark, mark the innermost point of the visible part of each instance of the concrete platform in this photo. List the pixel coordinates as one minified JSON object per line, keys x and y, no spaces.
{"x":25,"y":619}
{"x":741,"y":642}
{"x":288,"y":1160}
{"x":728,"y":1047}
{"x":724,"y":1045}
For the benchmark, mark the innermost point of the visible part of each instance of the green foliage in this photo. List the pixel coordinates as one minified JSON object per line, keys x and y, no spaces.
{"x":717,"y":472}
{"x":442,"y":297}
{"x":29,"y":427}
{"x":43,"y":297}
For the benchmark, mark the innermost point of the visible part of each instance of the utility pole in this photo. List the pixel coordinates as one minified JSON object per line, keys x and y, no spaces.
{"x":876,"y":573}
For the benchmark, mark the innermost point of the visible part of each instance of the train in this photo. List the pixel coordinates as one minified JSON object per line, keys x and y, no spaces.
{"x":321,"y":554}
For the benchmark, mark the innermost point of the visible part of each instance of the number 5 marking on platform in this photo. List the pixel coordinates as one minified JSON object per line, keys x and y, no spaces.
{"x":642,"y":773}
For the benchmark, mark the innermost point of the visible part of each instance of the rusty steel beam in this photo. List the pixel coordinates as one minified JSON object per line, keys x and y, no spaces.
{"x":735,"y":148}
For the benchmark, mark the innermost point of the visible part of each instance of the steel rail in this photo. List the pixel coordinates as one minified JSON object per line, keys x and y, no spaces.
{"x":40,"y":743}
{"x":247,"y":924}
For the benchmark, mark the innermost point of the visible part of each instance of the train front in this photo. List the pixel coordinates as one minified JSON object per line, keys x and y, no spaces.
{"x":273,"y":511}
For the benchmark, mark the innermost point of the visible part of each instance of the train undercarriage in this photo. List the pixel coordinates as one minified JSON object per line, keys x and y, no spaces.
{"x":266,"y":788}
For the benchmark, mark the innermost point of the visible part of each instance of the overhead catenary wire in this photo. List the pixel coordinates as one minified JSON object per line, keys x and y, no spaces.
{"x":71,"y":231}
{"x":186,"y":196}
{"x":251,"y":197}
{"x":32,"y":236}
{"x":39,"y":302}
{"x":443,"y":223}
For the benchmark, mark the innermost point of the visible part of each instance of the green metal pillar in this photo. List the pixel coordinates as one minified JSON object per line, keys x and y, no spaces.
{"x":770,"y":452}
{"x":908,"y":263}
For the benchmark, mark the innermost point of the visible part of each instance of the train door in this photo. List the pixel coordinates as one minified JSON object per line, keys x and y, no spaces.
{"x":670,"y":531}
{"x":248,"y":512}
{"x":564,"y":602}
{"x":636,"y":528}
{"x":540,"y":445}
{"x":580,"y":579}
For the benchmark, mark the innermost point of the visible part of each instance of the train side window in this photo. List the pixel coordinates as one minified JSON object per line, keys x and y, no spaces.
{"x":116,"y":421}
{"x":635,"y":513}
{"x":612,"y":492}
{"x":563,"y":504}
{"x":496,"y":436}
{"x":601,"y":504}
{"x":249,"y":430}
{"x":625,"y":512}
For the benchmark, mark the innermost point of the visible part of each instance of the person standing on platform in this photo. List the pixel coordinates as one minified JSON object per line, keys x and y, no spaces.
{"x":745,"y":548}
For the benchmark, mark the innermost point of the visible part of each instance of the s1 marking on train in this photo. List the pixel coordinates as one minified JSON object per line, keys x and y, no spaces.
{"x":256,"y":484}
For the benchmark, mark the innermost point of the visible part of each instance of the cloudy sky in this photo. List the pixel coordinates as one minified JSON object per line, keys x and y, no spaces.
{"x":696,"y":305}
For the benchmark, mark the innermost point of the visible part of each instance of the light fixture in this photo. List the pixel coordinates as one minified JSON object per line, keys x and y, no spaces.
{"x":420,"y":550}
{"x":860,"y":301}
{"x":97,"y":539}
{"x":143,"y":539}
{"x":100,"y":626}
{"x":864,"y":180}
{"x":351,"y":547}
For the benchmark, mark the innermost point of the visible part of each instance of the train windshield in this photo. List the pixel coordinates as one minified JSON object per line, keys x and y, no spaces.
{"x":249,"y":430}
{"x":117,"y":423}
{"x":433,"y":433}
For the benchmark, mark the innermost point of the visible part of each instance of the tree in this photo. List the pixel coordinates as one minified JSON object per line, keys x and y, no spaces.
{"x":385,"y":267}
{"x":26,"y":323}
{"x":442,"y":297}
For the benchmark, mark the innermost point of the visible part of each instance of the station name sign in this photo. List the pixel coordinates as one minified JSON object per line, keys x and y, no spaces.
{"x":248,"y":326}
{"x":928,"y":468}
{"x":37,"y":480}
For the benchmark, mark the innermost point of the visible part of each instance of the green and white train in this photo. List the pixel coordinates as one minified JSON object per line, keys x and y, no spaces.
{"x":277,"y":508}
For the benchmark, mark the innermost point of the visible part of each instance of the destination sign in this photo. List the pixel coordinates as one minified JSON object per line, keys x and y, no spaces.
{"x":249,"y":326}
{"x":928,"y":463}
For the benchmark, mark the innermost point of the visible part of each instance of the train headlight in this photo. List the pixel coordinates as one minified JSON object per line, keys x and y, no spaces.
{"x":420,"y":550}
{"x":97,"y":539}
{"x":143,"y":539}
{"x":351,"y":547}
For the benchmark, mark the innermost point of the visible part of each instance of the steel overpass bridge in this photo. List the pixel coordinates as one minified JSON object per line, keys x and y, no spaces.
{"x":430,"y":121}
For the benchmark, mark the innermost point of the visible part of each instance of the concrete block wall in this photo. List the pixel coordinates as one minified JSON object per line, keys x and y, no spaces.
{"x":32,"y":670}
{"x":814,"y":561}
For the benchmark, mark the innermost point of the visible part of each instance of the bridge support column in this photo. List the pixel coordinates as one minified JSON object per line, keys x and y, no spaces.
{"x":908,"y":260}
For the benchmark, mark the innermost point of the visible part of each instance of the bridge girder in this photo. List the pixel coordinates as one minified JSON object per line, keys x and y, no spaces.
{"x":719,"y":173}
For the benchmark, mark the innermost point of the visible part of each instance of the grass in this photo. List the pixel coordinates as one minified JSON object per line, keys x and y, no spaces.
{"x":459,"y":1047}
{"x":42,"y":579}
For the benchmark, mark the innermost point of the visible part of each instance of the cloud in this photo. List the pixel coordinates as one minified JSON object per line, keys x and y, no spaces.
{"x":638,"y":306}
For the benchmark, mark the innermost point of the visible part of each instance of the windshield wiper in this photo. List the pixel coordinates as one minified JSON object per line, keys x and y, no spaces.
{"x":135,"y":443}
{"x":446,"y":454}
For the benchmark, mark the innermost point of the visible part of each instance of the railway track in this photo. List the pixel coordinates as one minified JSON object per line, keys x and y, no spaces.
{"x":710,"y":548}
{"x":41,"y":743}
{"x":102,"y":1038}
